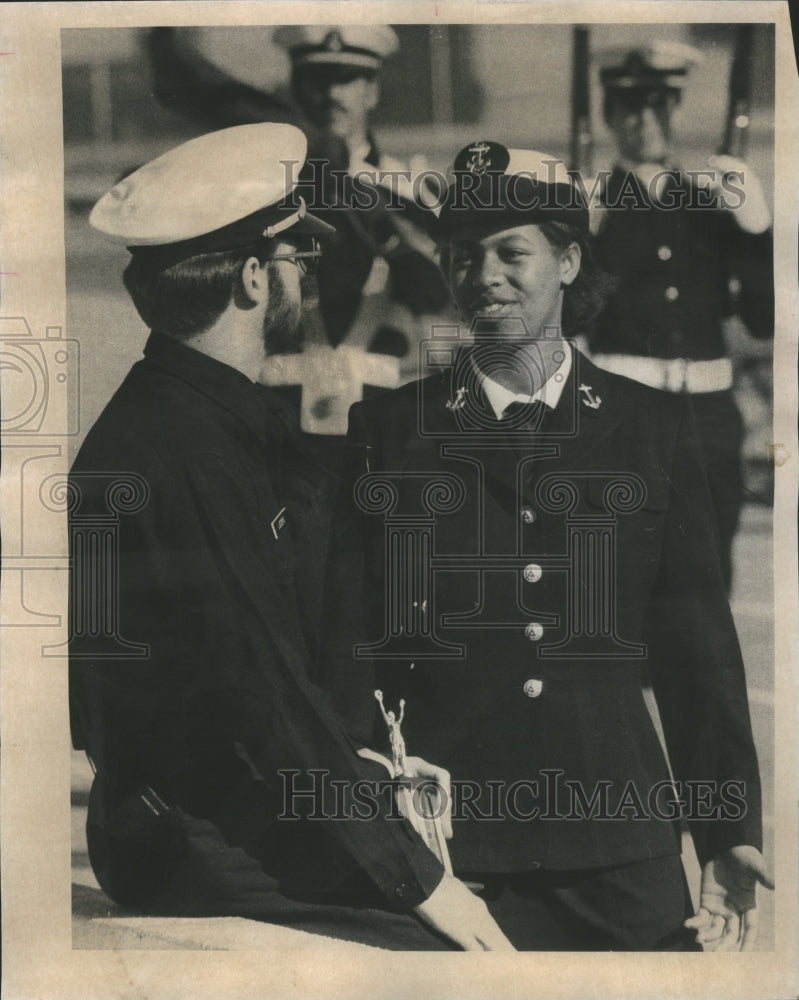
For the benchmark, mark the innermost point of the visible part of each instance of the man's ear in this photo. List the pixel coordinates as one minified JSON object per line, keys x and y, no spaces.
{"x":673,"y":119}
{"x":569,"y":264}
{"x":254,"y":280}
{"x":372,"y":95}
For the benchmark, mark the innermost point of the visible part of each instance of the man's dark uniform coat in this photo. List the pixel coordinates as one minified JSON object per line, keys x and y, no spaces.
{"x":218,"y":569}
{"x":584,"y":564}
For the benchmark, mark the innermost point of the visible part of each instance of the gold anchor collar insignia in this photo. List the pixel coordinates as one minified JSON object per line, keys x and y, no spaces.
{"x":589,"y":399}
{"x":459,"y":401}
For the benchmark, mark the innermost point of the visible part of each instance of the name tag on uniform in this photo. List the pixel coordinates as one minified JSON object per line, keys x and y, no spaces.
{"x":278,"y":522}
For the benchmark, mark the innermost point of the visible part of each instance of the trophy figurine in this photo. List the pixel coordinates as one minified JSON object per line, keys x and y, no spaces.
{"x":418,"y":799}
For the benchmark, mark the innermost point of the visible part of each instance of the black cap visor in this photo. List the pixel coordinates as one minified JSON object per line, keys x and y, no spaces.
{"x":287,"y":219}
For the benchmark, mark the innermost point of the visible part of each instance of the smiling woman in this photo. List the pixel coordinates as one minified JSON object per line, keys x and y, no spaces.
{"x":502,"y":275}
{"x":598,"y":481}
{"x":517,"y":257}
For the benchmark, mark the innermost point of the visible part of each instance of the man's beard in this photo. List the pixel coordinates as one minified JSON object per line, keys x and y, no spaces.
{"x":283,"y":329}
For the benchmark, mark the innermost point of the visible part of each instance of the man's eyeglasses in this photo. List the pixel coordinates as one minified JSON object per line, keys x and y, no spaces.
{"x":306,"y":260}
{"x":634,"y":101}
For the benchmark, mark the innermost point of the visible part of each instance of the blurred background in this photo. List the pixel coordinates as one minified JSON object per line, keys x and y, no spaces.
{"x":448,"y":85}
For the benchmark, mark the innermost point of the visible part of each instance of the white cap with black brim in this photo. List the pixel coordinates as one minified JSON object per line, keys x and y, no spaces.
{"x":220,"y":191}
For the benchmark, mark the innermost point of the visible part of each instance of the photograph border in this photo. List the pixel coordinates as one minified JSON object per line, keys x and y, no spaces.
{"x":35,"y":777}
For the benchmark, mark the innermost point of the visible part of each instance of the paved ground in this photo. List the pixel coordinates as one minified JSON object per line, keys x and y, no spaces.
{"x":98,"y":923}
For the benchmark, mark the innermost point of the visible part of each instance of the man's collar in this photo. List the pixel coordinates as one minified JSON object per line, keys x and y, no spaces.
{"x":365,"y":155}
{"x":226,"y":386}
{"x":550,"y":392}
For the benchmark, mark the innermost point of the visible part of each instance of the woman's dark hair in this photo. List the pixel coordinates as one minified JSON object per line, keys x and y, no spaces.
{"x":189,"y":296}
{"x":584,"y":298}
{"x":586,"y":295}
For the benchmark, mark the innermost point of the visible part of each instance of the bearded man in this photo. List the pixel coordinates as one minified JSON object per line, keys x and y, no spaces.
{"x":197,"y":717}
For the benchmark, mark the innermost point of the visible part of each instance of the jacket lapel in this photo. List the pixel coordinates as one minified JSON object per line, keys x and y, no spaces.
{"x":585,"y":415}
{"x":583,"y":418}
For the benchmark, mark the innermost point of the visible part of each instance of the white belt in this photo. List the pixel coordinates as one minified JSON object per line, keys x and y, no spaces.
{"x":672,"y":374}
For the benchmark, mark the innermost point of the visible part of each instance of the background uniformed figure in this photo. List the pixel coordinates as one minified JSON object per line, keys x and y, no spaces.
{"x":379,"y":285}
{"x":218,"y":575}
{"x":572,"y":552}
{"x":679,"y":245}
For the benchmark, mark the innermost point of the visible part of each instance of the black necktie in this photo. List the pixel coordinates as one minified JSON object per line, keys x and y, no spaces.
{"x":529,"y":416}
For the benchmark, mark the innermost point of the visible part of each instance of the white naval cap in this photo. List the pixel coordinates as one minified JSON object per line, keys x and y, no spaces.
{"x":220,"y":191}
{"x":657,"y":65}
{"x":490,"y":182}
{"x":364,"y":45}
{"x":482,"y":157}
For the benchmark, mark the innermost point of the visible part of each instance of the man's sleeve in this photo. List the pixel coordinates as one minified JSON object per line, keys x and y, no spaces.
{"x":269,"y":705}
{"x":750,"y":266}
{"x":697,"y":669}
{"x":348,"y":677}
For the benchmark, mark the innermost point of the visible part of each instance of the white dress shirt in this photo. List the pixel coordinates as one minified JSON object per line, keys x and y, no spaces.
{"x":550,"y":392}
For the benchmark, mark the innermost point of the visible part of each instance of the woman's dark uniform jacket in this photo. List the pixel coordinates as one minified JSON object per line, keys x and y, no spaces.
{"x":227,"y":600}
{"x":475,"y":715}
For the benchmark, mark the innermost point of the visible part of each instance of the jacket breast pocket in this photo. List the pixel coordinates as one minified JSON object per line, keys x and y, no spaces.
{"x":627,"y":495}
{"x":633,"y":512}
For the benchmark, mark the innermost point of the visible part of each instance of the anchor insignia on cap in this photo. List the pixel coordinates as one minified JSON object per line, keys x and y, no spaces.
{"x":591,"y":401}
{"x":478,"y":162}
{"x":333,"y":42}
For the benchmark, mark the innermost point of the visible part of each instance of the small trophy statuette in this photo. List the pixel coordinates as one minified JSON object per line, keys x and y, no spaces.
{"x":418,"y":798}
{"x":395,"y":737}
